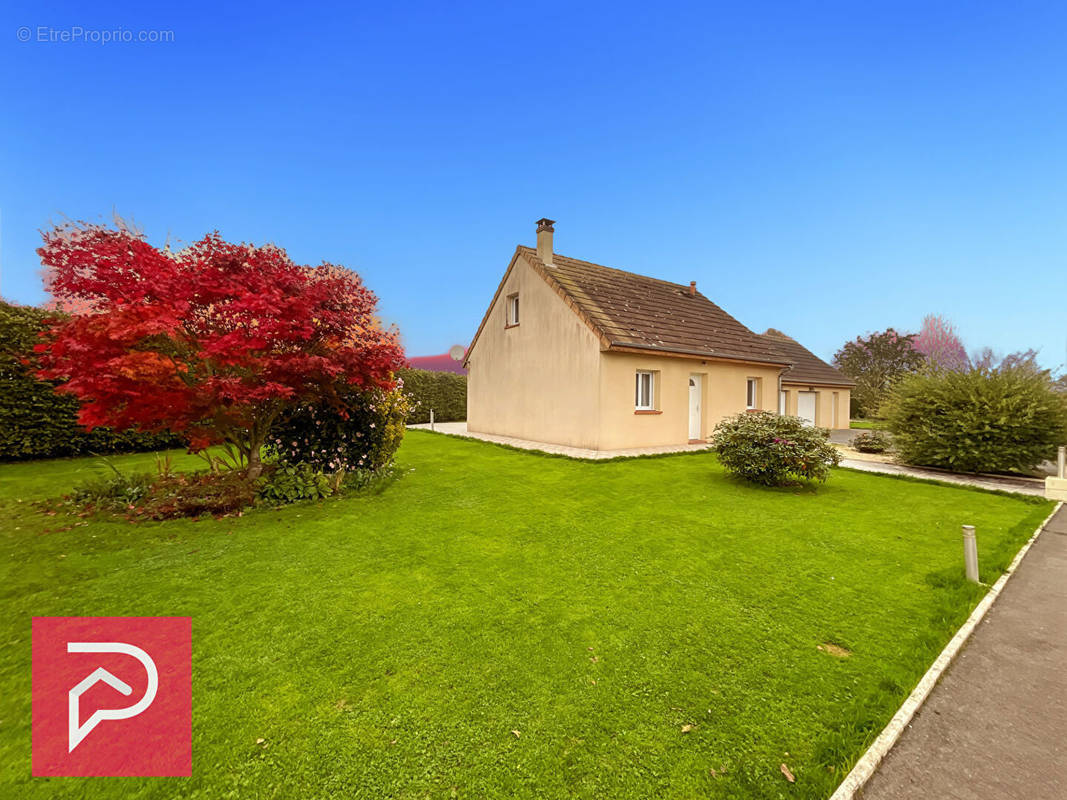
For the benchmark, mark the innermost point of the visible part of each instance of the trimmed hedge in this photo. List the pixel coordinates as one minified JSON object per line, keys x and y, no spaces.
{"x":35,"y":422}
{"x":444,"y":392}
{"x":983,"y":420}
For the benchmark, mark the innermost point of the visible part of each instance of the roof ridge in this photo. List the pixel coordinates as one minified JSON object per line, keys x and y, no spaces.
{"x":533,"y":251}
{"x":807,"y":367}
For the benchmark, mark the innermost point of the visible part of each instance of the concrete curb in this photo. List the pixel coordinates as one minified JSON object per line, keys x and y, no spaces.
{"x":869,"y":761}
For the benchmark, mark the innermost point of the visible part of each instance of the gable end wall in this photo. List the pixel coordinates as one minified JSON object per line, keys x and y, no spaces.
{"x":538,"y":380}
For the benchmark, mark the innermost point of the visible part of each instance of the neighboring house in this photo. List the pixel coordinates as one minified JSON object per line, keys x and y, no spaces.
{"x":441,"y":363}
{"x":811,"y":389}
{"x":579,"y":354}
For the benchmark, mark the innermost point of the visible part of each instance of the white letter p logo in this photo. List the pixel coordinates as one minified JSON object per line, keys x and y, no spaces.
{"x":75,"y":732}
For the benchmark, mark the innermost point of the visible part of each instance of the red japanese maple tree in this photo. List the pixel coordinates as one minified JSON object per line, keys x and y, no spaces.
{"x":214,"y":341}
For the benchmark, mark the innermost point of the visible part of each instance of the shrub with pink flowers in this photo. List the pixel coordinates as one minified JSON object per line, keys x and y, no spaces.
{"x":773,"y":450}
{"x":360,"y":435}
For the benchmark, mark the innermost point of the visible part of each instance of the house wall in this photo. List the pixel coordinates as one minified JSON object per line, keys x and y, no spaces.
{"x":823,"y":403}
{"x":537,"y":380}
{"x":724,"y":394}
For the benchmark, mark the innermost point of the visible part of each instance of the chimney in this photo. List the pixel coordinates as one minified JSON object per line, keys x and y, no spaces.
{"x":692,"y":288}
{"x":544,"y":240}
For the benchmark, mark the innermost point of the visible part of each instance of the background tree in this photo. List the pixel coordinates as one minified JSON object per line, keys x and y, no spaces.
{"x":987,"y":359}
{"x":942,"y":346}
{"x":213,"y":342}
{"x":876,"y":362}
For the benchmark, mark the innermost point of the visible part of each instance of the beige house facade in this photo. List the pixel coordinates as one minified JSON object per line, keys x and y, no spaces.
{"x":575,"y":353}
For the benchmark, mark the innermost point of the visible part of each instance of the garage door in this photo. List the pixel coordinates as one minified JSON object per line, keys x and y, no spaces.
{"x":806,"y":406}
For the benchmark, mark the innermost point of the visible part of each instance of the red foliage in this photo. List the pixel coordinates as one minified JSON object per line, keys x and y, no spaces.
{"x":213,"y":341}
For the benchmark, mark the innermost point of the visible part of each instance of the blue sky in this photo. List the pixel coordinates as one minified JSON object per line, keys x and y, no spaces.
{"x":824,"y":168}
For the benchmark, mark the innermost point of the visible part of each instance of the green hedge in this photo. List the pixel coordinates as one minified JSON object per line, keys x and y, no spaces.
{"x":35,"y":422}
{"x":444,"y":392}
{"x":983,"y":420}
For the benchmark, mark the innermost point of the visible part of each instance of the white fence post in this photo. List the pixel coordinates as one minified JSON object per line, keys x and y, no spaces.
{"x":970,"y":553}
{"x":431,"y":419}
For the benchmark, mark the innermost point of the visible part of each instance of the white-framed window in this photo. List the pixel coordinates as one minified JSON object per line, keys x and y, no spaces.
{"x":512,"y":310}
{"x":783,"y":401}
{"x":752,"y":393}
{"x":645,"y":391}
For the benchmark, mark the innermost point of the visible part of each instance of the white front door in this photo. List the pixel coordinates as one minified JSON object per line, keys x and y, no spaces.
{"x":694,"y":406}
{"x":806,"y":406}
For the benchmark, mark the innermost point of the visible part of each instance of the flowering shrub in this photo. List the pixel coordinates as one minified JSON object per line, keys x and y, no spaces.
{"x":364,"y":436}
{"x":871,"y":442}
{"x":773,"y":450}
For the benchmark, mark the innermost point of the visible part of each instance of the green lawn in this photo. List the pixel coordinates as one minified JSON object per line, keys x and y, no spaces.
{"x":389,"y":645}
{"x":869,"y":424}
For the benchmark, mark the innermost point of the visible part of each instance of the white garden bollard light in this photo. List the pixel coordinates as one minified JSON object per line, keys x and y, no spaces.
{"x":1061,"y":462}
{"x":970,"y":553}
{"x":431,"y":419}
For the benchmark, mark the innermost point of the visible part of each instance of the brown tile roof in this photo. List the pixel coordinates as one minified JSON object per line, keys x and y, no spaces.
{"x":630,"y":310}
{"x":807,"y":367}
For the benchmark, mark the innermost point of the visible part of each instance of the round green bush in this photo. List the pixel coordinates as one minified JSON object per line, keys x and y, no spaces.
{"x":871,"y":442}
{"x":362,"y":436}
{"x":773,"y":450}
{"x":982,"y":420}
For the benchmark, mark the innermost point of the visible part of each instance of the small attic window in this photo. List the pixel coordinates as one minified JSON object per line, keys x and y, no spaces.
{"x":512,"y":308}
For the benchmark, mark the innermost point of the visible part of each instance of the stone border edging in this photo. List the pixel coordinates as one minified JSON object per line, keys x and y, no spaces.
{"x":872,"y":758}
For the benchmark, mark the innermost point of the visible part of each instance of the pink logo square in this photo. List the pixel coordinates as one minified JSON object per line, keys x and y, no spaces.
{"x":112,"y":696}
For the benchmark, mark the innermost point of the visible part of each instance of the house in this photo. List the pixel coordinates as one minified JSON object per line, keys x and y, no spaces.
{"x":811,"y":389}
{"x":442,"y":363}
{"x":580,"y":354}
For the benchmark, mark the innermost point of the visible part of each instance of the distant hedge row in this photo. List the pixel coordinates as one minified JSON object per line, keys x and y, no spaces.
{"x":444,"y":392}
{"x":35,"y":422}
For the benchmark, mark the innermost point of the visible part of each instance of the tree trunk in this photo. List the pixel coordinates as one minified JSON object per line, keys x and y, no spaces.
{"x":255,"y":466}
{"x":257,"y":435}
